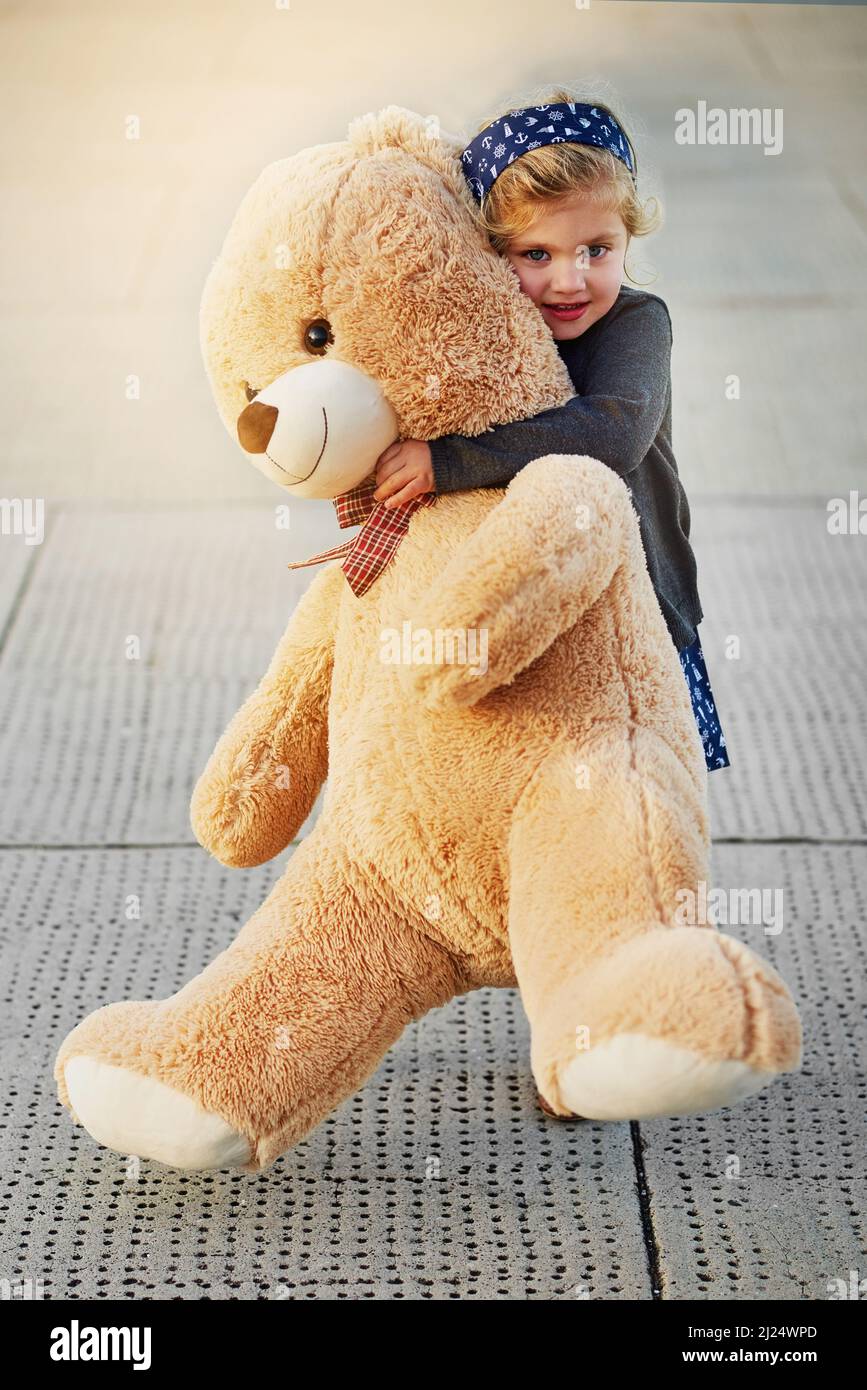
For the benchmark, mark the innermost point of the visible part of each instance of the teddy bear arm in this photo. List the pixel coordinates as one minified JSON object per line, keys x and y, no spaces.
{"x":541,"y":558}
{"x":266,"y":771}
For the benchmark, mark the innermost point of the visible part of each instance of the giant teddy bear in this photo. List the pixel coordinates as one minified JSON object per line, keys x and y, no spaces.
{"x":531,"y":818}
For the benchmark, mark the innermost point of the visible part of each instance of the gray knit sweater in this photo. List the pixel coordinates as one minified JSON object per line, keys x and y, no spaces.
{"x":621,"y":369}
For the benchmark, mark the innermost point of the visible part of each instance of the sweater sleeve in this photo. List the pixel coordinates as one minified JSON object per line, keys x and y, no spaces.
{"x":626,"y":389}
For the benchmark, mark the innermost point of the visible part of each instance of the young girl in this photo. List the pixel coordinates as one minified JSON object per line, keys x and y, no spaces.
{"x":556,"y":188}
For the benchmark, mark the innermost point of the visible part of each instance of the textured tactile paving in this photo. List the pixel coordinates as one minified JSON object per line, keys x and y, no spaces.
{"x":440,"y":1179}
{"x":769,"y":1199}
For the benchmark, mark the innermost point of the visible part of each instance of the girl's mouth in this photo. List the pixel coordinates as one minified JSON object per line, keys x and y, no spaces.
{"x":568,"y":311}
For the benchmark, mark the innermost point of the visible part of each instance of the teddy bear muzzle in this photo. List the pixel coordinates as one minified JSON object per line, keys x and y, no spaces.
{"x":318,"y":429}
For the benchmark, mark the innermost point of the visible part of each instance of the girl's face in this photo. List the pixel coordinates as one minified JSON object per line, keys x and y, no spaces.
{"x":572,"y":254}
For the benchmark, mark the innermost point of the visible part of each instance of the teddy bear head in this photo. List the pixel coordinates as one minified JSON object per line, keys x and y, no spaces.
{"x":356,"y":300}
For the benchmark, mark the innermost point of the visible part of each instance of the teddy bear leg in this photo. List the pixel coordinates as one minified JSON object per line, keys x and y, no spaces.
{"x":255,"y":1051}
{"x":631,"y":1013}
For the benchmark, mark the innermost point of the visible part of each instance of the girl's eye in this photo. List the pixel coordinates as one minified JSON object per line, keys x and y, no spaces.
{"x":538,"y":251}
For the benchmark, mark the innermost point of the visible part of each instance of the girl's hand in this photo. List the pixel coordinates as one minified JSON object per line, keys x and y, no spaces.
{"x":404,"y":470}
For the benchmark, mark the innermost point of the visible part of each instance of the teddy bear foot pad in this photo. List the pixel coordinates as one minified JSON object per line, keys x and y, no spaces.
{"x":136,"y":1114}
{"x":634,"y":1077}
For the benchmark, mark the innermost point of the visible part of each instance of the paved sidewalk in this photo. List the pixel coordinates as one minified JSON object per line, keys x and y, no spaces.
{"x":441,"y":1178}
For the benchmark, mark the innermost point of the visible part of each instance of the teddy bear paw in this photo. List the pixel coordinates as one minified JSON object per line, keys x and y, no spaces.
{"x":136,"y":1114}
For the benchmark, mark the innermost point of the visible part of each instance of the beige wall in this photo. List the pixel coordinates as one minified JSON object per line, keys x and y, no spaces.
{"x":108,"y":240}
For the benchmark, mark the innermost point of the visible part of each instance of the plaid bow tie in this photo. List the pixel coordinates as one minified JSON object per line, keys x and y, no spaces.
{"x":368,"y":553}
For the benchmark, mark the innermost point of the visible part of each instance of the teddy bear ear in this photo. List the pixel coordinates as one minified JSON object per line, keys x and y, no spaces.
{"x":395,"y":127}
{"x":419,"y":299}
{"x":398,"y":128}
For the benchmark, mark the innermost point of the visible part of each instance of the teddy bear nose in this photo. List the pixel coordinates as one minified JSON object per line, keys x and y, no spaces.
{"x":256,"y":425}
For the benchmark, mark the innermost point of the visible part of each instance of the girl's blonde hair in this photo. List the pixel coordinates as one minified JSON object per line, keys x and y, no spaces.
{"x":552,"y":173}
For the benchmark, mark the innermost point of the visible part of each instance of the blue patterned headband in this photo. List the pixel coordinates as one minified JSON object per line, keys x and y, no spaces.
{"x":510,"y":136}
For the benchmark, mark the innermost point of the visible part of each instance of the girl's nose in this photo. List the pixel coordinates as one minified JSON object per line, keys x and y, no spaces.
{"x":569,"y":276}
{"x":564,"y":285}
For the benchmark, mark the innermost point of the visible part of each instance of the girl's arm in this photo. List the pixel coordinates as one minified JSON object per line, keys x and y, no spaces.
{"x":626,"y":393}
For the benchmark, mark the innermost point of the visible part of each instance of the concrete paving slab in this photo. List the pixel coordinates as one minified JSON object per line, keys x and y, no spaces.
{"x":440,"y":1179}
{"x":808,"y":40}
{"x":775,"y":581}
{"x":99,"y":748}
{"x":17,"y":560}
{"x":755,"y":244}
{"x":785,"y":363}
{"x":768,"y":1199}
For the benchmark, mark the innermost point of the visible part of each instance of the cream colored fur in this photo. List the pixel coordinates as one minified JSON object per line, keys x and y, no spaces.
{"x":526,"y":822}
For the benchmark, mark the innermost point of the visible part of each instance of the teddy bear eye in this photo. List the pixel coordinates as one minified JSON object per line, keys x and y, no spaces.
{"x":250,"y":392}
{"x":317,"y":336}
